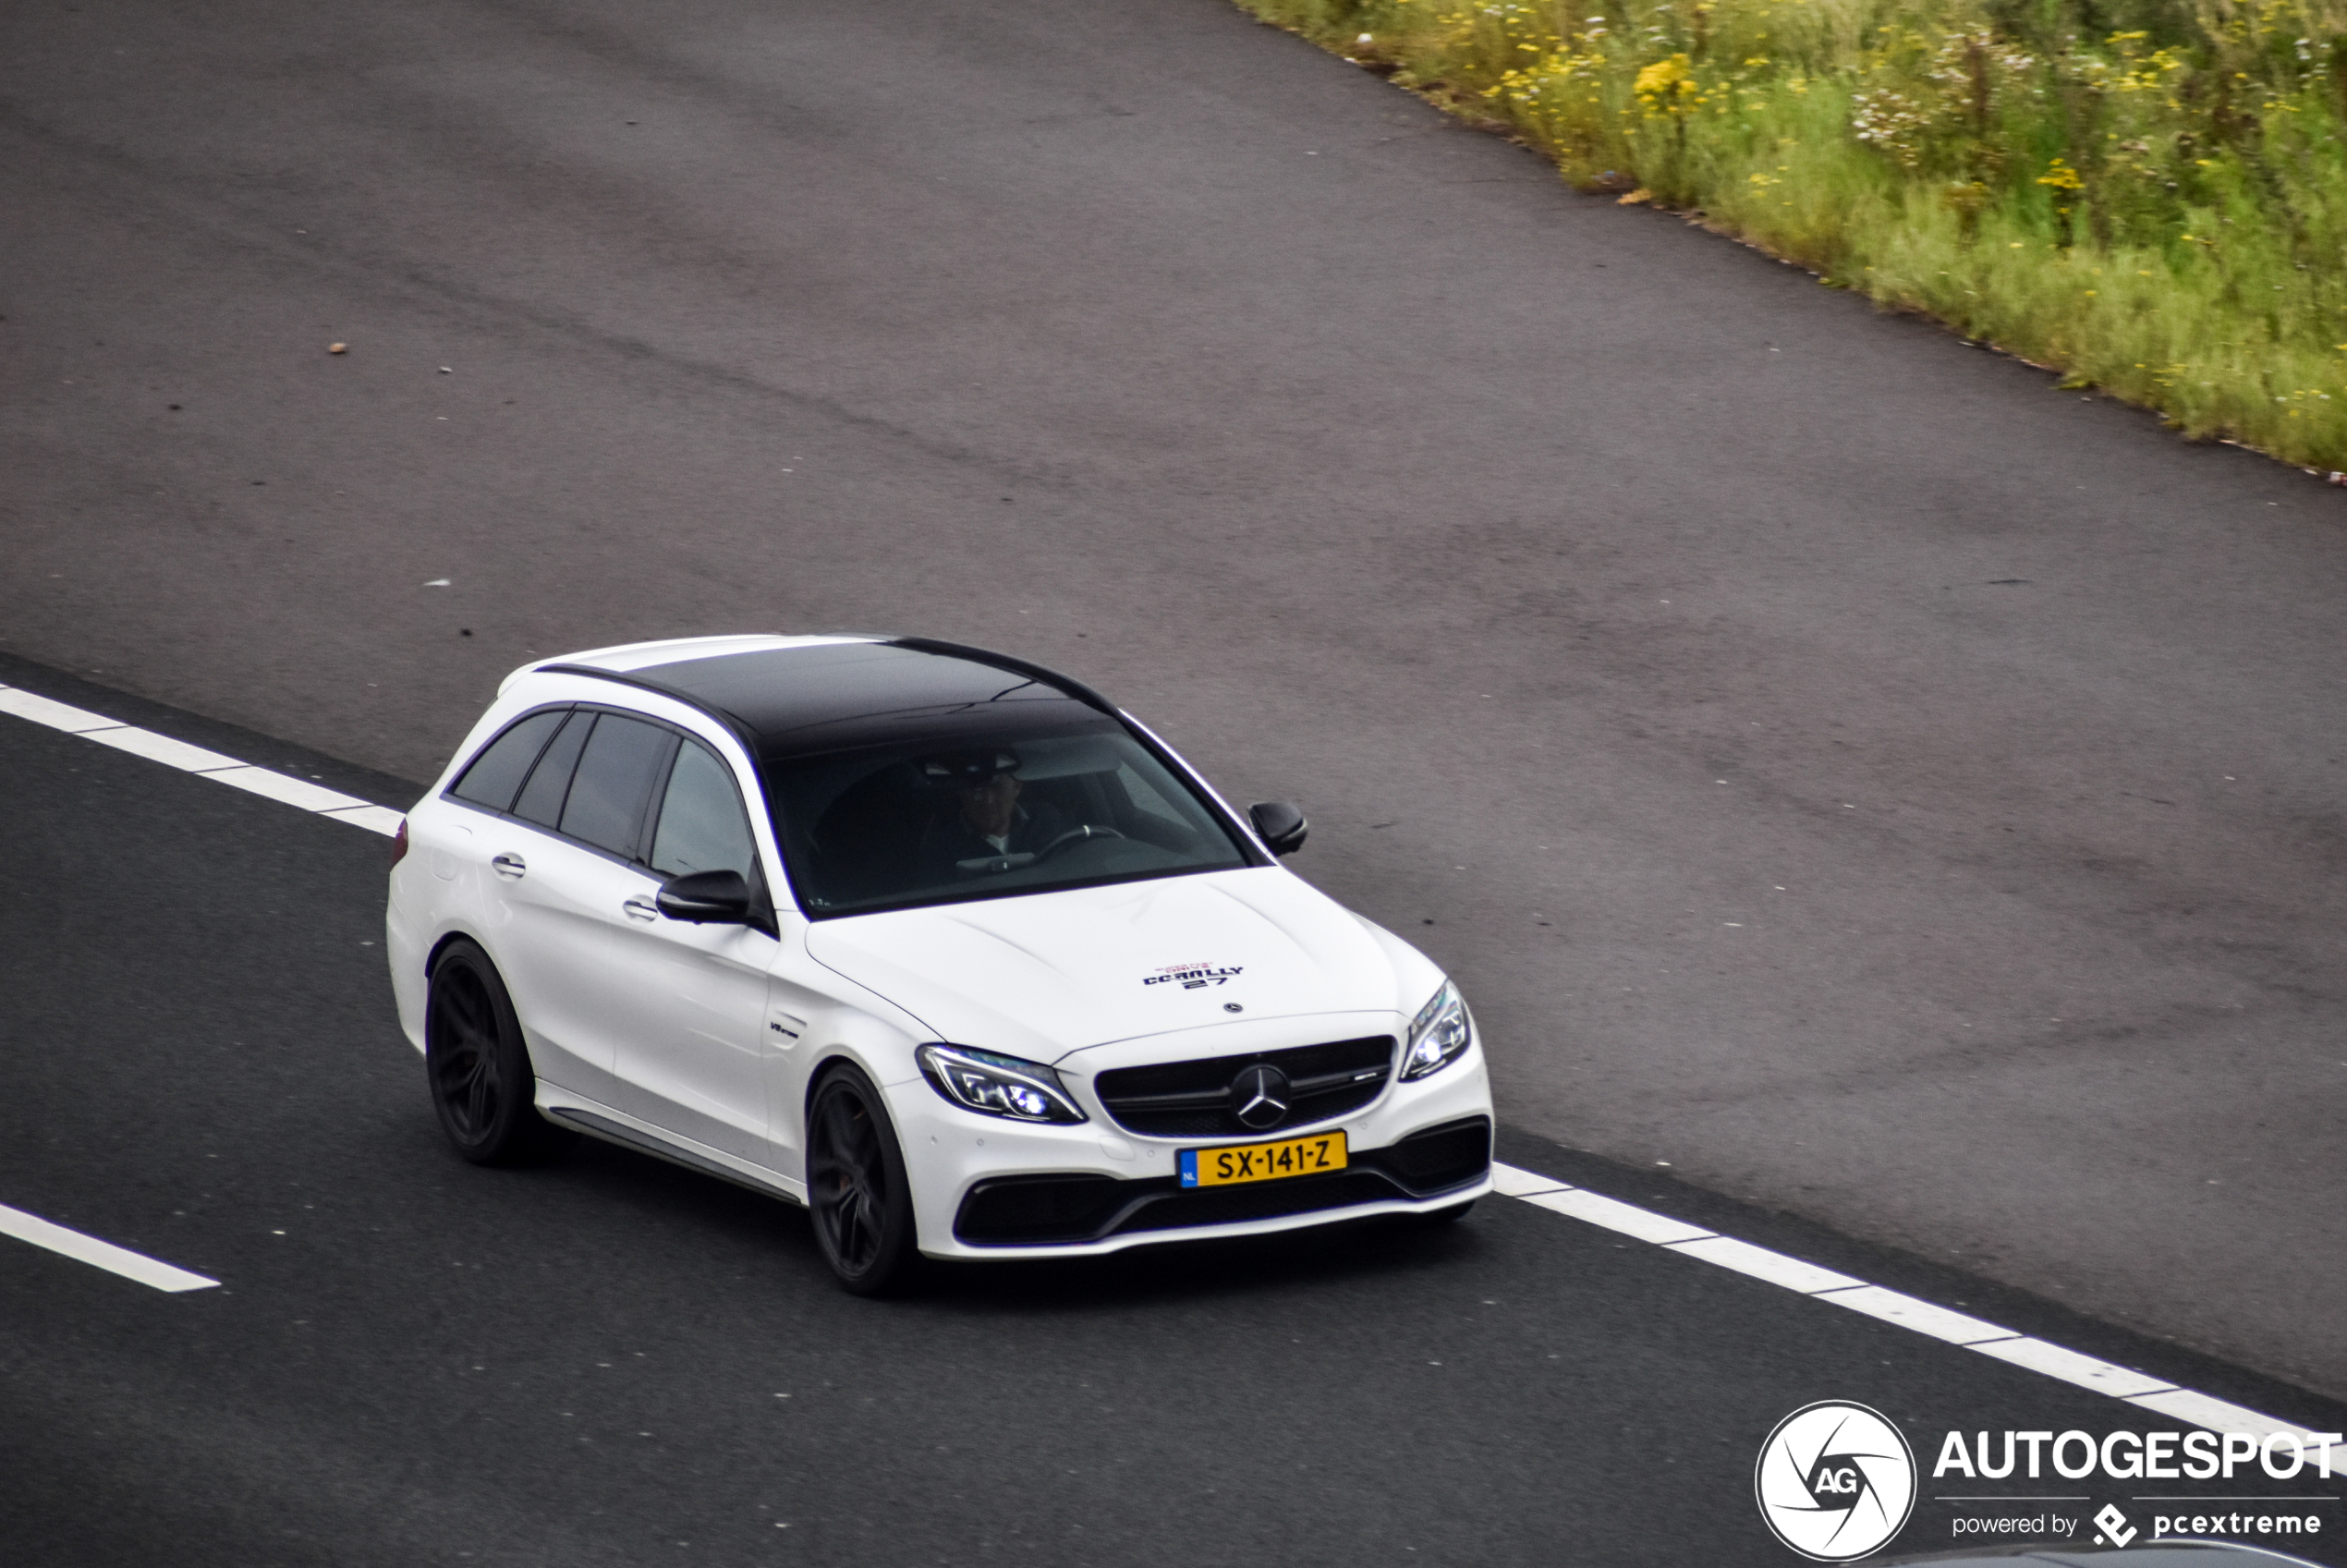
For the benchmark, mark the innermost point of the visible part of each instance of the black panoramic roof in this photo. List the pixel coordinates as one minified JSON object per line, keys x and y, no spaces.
{"x":795,"y":700}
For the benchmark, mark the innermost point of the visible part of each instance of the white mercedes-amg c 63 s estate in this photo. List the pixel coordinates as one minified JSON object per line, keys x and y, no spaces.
{"x":933,"y":940}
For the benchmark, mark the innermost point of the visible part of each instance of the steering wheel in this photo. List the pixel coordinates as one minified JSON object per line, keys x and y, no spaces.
{"x":1075,"y":835}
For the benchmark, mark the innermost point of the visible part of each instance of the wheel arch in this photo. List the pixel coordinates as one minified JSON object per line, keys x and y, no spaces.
{"x":829,"y":1061}
{"x":449,"y":939}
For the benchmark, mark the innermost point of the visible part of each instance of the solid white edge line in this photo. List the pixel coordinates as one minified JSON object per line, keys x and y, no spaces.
{"x":374,"y":818}
{"x":56,"y":715}
{"x":1510,"y":1182}
{"x":1626,"y":1219}
{"x":285,"y":787}
{"x":163,"y":748}
{"x":101,"y":1253}
{"x":2122,"y":1383}
{"x":1763,"y":1264}
{"x":314,"y":798}
{"x":2085,"y":1371}
{"x":1923,"y":1317}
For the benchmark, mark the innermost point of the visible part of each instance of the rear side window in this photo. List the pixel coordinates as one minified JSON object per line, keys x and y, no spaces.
{"x":497,"y":772}
{"x":542,"y":798}
{"x":613,"y":785}
{"x":701,"y":825}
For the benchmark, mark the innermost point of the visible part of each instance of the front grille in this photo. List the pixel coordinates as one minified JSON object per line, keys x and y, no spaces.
{"x":1071,"y":1210}
{"x":1188,"y":1099}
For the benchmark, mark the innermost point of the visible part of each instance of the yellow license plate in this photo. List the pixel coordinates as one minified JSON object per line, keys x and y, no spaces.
{"x":1262,"y":1161}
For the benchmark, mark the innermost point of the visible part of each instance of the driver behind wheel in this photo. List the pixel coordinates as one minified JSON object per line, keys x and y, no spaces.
{"x":987,"y":823}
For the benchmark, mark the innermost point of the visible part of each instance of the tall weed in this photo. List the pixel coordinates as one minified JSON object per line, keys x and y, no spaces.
{"x":2150,"y":194}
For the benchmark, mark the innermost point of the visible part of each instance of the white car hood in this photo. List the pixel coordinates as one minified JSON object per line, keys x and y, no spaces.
{"x":1050,"y":973}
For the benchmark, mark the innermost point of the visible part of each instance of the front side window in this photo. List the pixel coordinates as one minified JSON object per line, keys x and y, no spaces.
{"x":969,"y":815}
{"x":702,"y":827}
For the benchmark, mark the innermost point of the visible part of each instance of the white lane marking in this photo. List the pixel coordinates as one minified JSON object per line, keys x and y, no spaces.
{"x":162,"y":749}
{"x":2037,"y":1355}
{"x":1546,"y":1192}
{"x":2122,"y":1383}
{"x":195,"y":759}
{"x":102,"y":1253}
{"x":1921,"y":1315}
{"x":374,"y":818}
{"x":56,"y":715}
{"x":285,"y":787}
{"x":1762,"y":1264}
{"x":1509,"y":1182}
{"x":1628,"y":1219}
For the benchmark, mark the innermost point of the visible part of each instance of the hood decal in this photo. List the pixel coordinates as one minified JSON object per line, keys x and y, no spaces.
{"x":1195,"y":976}
{"x":1042,"y":975}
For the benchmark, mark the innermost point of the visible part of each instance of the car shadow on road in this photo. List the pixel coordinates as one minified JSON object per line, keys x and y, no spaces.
{"x":1348,"y":1253}
{"x":673,"y":1199}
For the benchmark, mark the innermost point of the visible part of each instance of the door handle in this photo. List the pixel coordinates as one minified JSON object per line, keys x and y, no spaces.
{"x":510,"y":867}
{"x":642,"y":908}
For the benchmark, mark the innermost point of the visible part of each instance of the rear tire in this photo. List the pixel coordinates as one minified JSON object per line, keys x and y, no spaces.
{"x":857,"y":1191}
{"x":478,"y":1068}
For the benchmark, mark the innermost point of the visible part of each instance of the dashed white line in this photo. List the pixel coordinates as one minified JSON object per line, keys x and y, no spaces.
{"x":101,"y":1253}
{"x":237,"y":775}
{"x":311,"y":798}
{"x":2122,"y":1383}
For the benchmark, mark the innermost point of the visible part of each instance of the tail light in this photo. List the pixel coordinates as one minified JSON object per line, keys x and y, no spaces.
{"x":400,"y":843}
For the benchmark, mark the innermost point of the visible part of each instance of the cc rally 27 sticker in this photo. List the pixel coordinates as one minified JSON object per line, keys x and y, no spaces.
{"x":1194,"y":977}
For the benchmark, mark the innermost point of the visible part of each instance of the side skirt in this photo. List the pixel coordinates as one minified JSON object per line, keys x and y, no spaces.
{"x":643,"y":1142}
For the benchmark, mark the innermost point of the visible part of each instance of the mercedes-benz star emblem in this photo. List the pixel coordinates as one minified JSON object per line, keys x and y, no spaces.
{"x":1258,"y":1097}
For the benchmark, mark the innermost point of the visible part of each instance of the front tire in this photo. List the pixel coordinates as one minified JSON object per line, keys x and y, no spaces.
{"x":478,"y":1065}
{"x":857,"y":1191}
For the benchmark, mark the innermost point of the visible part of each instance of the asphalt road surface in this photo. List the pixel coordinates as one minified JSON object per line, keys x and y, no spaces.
{"x":1900,"y":794}
{"x":409,"y":1360}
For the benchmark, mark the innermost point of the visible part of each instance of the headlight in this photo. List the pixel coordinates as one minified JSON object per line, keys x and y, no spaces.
{"x":997,"y":1086}
{"x":1438,"y":1034}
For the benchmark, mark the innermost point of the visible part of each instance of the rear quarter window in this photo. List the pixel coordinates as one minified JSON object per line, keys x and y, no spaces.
{"x":494,"y":776}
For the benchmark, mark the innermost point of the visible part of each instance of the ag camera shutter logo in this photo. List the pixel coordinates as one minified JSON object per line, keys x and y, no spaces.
{"x":1835,"y":1481}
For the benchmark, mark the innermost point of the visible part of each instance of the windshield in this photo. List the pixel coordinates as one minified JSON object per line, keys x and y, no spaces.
{"x":986,"y":813}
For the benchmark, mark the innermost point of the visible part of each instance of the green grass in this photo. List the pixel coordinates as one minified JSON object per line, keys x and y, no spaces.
{"x":2150,"y":195}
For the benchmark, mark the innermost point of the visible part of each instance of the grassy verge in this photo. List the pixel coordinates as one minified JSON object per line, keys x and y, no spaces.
{"x":2148,"y":194}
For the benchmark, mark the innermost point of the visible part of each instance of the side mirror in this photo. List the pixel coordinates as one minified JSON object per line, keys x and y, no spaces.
{"x":1280,"y":824}
{"x":706,"y":898}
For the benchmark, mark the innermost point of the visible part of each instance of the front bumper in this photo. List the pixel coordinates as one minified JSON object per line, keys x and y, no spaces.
{"x":983,"y":1187}
{"x":1442,"y":1165}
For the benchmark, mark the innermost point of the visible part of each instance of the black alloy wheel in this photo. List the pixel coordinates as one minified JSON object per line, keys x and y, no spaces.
{"x":478,"y":1065}
{"x":856,"y":1186}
